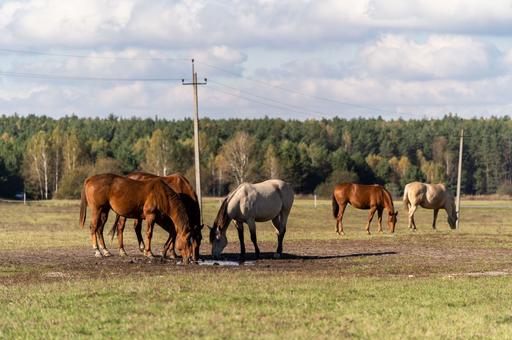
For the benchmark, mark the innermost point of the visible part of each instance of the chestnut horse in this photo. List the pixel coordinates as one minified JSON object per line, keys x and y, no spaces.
{"x":374,"y":197}
{"x":152,"y":200}
{"x":429,"y":196}
{"x":188,"y":196}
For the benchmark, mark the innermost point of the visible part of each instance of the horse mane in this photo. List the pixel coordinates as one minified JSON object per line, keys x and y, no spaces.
{"x":222,"y":218}
{"x":169,"y":202}
{"x":388,"y":196}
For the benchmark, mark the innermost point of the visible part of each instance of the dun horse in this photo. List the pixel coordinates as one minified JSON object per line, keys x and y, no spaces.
{"x":188,"y":196}
{"x":429,"y":196}
{"x":251,"y":203}
{"x":374,"y":197}
{"x":152,"y":200}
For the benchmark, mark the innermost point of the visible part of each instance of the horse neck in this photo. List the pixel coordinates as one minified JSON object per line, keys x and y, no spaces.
{"x":223,"y":219}
{"x":173,"y":207}
{"x":388,"y":201}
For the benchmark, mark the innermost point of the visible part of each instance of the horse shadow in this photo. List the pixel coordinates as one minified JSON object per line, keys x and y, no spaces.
{"x":288,"y":256}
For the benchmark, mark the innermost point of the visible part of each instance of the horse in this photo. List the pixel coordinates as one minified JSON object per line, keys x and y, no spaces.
{"x":429,"y":196}
{"x":374,"y":197}
{"x":251,"y":203}
{"x":188,"y":196}
{"x":152,"y":200}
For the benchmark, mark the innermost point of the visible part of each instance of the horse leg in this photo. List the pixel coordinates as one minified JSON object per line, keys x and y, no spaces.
{"x":252,"y":229}
{"x":137,"y":226}
{"x":95,"y":219}
{"x":121,"y":222}
{"x":339,"y":220}
{"x":379,"y":219}
{"x":370,"y":218}
{"x":436,"y":211}
{"x":412,"y":223}
{"x":169,"y":244}
{"x":280,"y":221}
{"x":99,"y":232}
{"x":150,"y":222}
{"x":240,"y":229}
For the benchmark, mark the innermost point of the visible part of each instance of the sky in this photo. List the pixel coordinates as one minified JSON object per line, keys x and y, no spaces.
{"x":293,"y":59}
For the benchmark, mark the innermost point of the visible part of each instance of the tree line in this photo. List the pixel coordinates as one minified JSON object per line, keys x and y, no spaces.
{"x":50,"y":158}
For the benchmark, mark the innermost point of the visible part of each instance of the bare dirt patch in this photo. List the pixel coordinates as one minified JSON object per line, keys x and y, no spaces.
{"x":379,"y":256}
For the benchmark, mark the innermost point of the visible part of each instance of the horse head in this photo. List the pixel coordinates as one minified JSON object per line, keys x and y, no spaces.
{"x":218,"y":240}
{"x":452,"y":219}
{"x":392,"y":221}
{"x":196,"y":239}
{"x":184,"y":244}
{"x":452,"y":214}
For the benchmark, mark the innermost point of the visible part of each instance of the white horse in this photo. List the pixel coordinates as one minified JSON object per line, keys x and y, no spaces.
{"x":251,"y":203}
{"x":429,"y":196}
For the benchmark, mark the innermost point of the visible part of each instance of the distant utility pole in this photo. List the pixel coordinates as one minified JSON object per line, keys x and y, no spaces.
{"x":194,"y":84}
{"x":459,"y":176}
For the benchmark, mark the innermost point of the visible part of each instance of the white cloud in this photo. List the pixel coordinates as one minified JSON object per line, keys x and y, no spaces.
{"x":437,"y":57}
{"x":388,"y":54}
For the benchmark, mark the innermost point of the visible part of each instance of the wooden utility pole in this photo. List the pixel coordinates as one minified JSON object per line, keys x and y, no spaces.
{"x":194,"y":84}
{"x":459,"y":176}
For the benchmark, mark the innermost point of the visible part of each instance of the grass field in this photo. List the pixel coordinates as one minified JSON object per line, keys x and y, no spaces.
{"x":438,"y":284}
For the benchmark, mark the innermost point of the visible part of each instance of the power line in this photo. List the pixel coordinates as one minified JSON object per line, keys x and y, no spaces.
{"x":304,"y":94}
{"x":301,"y":112}
{"x":85,"y":78}
{"x":261,"y":97}
{"x":89,"y":56}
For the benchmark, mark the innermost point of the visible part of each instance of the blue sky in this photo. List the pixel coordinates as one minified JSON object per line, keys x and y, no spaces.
{"x":289,"y":59}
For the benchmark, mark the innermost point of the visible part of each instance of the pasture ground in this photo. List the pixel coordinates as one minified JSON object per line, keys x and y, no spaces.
{"x":439,"y":284}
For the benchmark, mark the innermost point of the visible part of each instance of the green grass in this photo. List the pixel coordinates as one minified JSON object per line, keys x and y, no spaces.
{"x":261,"y":302}
{"x":54,"y":224}
{"x":233,"y":304}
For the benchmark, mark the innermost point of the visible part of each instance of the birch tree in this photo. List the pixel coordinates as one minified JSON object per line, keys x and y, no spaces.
{"x":237,"y":153}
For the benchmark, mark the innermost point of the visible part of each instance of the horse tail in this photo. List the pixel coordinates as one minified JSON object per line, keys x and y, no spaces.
{"x":406,"y":199}
{"x":83,"y":207}
{"x":112,"y":231}
{"x":335,"y":207}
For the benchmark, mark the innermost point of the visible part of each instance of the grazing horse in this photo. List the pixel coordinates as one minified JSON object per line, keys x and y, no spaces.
{"x":374,"y":197}
{"x":251,"y":203}
{"x":188,"y":196}
{"x":429,"y":196}
{"x":152,"y":200}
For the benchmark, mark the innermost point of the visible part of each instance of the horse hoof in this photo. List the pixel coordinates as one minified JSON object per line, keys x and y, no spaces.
{"x":122,"y":252}
{"x":149,"y":254}
{"x":106,"y":253}
{"x":97,"y":254}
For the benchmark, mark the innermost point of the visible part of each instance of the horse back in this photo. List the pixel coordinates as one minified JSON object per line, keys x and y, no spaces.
{"x":261,"y":201}
{"x":125,"y":196}
{"x":181,"y":186}
{"x":360,"y":196}
{"x":429,"y":196}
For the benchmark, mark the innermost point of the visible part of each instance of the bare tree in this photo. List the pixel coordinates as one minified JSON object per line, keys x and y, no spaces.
{"x":237,"y":152}
{"x":271,"y":163}
{"x":158,"y":154}
{"x":37,"y":162}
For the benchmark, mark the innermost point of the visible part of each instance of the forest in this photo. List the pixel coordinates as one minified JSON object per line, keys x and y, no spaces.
{"x":50,"y":158}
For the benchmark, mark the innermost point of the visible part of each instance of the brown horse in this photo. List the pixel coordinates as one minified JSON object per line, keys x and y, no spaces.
{"x":152,"y":200}
{"x":188,"y":196}
{"x":374,"y":197}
